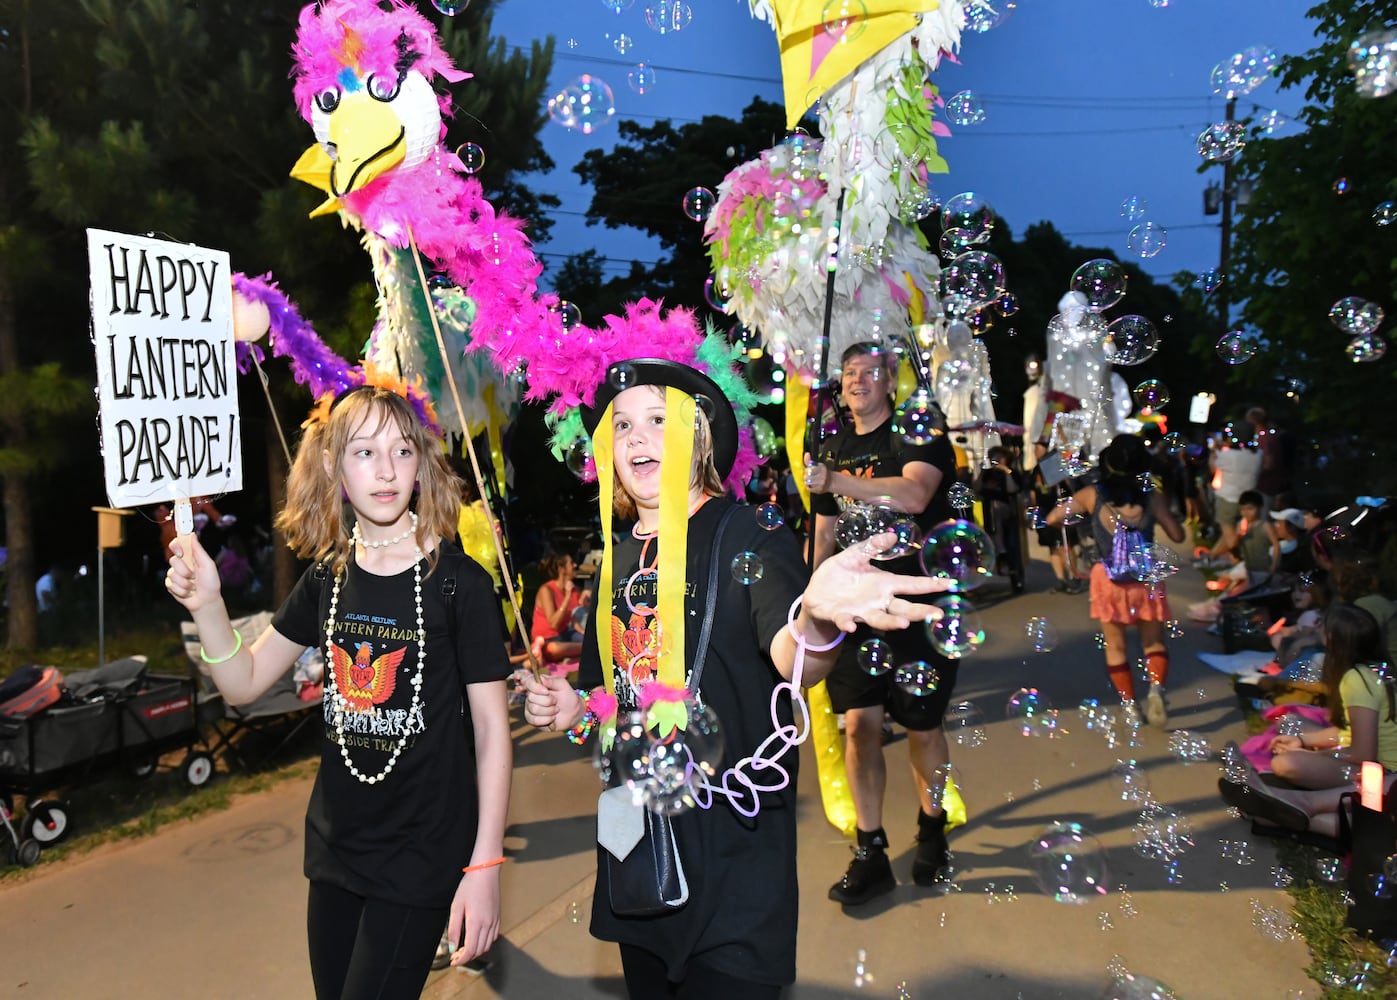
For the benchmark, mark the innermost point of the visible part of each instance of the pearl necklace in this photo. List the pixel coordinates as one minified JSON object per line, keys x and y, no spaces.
{"x":359,"y":535}
{"x":339,"y":704}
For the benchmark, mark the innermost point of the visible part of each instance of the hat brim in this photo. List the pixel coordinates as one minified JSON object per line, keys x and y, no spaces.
{"x":722,"y":421}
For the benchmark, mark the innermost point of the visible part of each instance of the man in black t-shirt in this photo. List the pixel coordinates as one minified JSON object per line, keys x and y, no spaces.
{"x":873,"y":465}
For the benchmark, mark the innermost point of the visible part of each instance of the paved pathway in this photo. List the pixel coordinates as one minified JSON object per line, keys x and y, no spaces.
{"x":214,"y":908}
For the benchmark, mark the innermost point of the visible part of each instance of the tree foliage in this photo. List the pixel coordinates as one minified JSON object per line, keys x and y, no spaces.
{"x":1306,"y":240}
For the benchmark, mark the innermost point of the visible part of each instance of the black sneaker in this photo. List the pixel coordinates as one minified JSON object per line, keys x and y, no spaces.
{"x":933,"y":855}
{"x":870,"y":874}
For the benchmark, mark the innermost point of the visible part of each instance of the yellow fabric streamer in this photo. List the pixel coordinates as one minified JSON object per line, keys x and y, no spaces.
{"x":676,"y":471}
{"x":829,"y":761}
{"x":797,"y":413}
{"x":603,"y":457}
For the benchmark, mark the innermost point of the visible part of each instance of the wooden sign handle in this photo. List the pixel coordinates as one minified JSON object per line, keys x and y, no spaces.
{"x":184,"y":530}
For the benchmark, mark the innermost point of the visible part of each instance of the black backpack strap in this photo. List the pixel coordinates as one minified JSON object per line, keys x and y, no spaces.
{"x":710,"y":600}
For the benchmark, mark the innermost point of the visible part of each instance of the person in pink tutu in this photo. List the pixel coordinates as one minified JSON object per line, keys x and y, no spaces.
{"x":1123,"y":509}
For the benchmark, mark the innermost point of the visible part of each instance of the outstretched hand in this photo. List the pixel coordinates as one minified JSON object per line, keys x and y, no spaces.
{"x":848,"y":588}
{"x":194,"y":588}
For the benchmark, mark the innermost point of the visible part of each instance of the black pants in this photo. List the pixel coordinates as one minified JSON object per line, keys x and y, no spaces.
{"x":368,"y":949}
{"x":648,"y":979}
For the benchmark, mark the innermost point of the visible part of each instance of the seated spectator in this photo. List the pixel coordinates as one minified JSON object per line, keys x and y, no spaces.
{"x":1309,"y":598}
{"x":1287,"y":526}
{"x":555,"y":636}
{"x":1355,"y":581}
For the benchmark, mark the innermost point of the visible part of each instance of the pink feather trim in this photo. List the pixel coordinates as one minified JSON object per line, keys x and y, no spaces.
{"x":655,"y":691}
{"x":602,"y":705}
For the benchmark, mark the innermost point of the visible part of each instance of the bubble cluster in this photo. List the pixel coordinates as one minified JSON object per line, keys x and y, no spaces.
{"x":1356,"y":316}
{"x":1070,"y":864}
{"x":1131,"y":780}
{"x":976,"y":275}
{"x":658,"y":754}
{"x":1162,"y":833}
{"x":584,"y":105}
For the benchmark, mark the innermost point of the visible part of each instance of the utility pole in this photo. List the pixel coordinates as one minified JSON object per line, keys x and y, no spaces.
{"x":1225,"y":256}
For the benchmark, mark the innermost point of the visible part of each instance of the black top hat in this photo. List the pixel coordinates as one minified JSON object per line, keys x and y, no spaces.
{"x":657,"y":371}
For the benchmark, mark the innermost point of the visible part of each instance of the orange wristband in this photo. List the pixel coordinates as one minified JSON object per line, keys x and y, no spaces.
{"x":482,"y":866}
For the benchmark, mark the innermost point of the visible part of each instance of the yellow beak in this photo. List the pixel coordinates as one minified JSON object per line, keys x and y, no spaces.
{"x":367,"y":139}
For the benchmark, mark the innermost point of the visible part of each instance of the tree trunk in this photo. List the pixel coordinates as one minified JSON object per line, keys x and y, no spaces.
{"x":19,"y":521}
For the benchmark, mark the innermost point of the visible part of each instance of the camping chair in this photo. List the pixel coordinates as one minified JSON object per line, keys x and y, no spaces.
{"x":287,"y":707}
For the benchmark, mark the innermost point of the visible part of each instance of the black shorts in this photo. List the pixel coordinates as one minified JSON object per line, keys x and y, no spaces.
{"x":850,"y":686}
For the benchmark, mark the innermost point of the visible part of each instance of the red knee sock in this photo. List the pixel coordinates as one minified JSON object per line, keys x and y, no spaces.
{"x":1120,"y":677}
{"x":1157,"y":664}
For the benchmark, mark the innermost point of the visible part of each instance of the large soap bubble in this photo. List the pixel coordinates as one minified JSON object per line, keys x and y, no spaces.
{"x":1356,"y":316}
{"x":1028,"y":707}
{"x":1133,"y":340}
{"x":1070,"y":864}
{"x":965,"y":724}
{"x":660,"y":753}
{"x":958,"y":551}
{"x":584,"y":105}
{"x":1102,"y":281}
{"x":959,"y":631}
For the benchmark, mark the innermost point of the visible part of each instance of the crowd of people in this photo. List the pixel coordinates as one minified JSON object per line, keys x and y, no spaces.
{"x":618,"y":645}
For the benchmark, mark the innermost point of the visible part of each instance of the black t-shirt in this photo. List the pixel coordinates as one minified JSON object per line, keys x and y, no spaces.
{"x":741,"y":913}
{"x":881,"y":454}
{"x":405,"y":838}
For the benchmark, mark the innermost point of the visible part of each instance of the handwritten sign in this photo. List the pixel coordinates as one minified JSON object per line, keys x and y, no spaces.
{"x":162,"y":327}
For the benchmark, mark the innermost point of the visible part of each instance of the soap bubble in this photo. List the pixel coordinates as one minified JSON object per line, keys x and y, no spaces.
{"x":641,"y":79}
{"x":983,"y":18}
{"x":698,"y":203}
{"x":851,"y":527}
{"x":1385,"y":213}
{"x":1152,"y":393}
{"x":746,"y":568}
{"x":715,"y":295}
{"x":875,"y":657}
{"x":906,"y":534}
{"x":618,"y":6}
{"x":658,"y":754}
{"x":1130,"y":985}
{"x":917,"y":205}
{"x":1162,"y":833}
{"x":1373,"y":60}
{"x":472,"y":157}
{"x":770,"y":516}
{"x":579,"y":461}
{"x":1028,"y":706}
{"x":977,"y":275}
{"x":1341,"y":186}
{"x":958,"y":632}
{"x":1356,"y":316}
{"x":1134,"y":208}
{"x":1221,"y":141}
{"x":1270,"y":121}
{"x":843,"y":20}
{"x":1147,"y":239}
{"x":1132,"y":781}
{"x":955,"y":376}
{"x":1362,"y":350}
{"x":623,"y":376}
{"x":568,"y":313}
{"x":1133,"y":340}
{"x":451,"y":7}
{"x":665,"y":16}
{"x":1007,"y":304}
{"x":1042,"y":636}
{"x":965,"y":724}
{"x":1236,"y":348}
{"x":955,"y":242}
{"x":1070,"y":864}
{"x":918,"y":420}
{"x":1102,"y":281}
{"x":959,"y":551}
{"x":918,"y":678}
{"x":968,"y":212}
{"x":1173,"y":443}
{"x":1209,"y":280}
{"x":965,"y":108}
{"x":584,"y":105}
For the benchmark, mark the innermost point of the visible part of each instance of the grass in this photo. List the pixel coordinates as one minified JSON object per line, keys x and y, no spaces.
{"x":1345,"y":965}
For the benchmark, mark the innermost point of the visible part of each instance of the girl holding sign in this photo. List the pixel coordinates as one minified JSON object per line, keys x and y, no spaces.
{"x":406,"y":822}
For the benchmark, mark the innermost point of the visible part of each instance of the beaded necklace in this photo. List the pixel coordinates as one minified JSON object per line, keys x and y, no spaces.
{"x":338,"y":702}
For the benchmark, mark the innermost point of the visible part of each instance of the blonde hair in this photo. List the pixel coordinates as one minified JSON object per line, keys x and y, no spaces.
{"x":704,"y":475}
{"x":315,"y":521}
